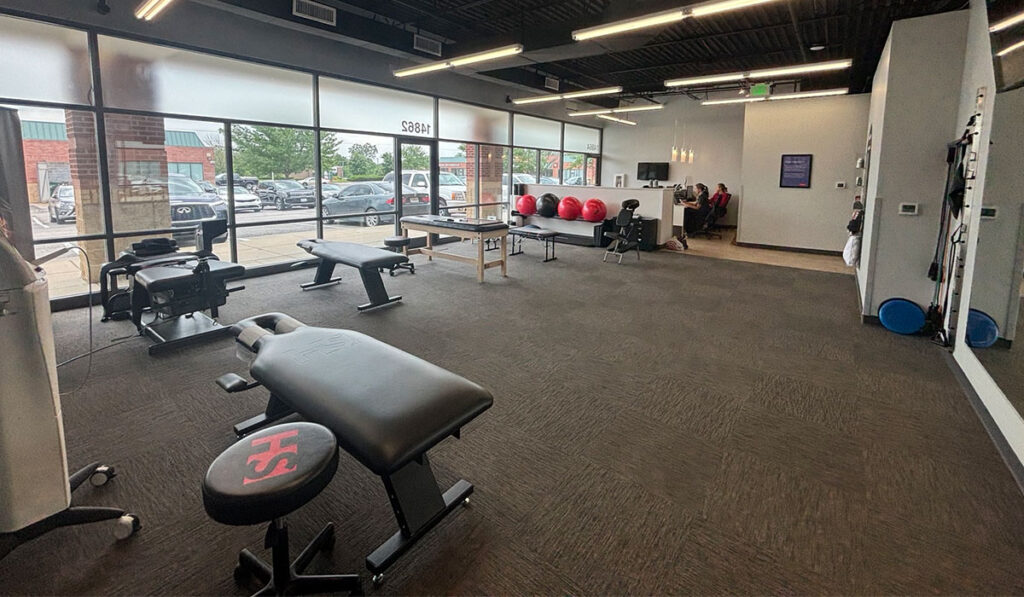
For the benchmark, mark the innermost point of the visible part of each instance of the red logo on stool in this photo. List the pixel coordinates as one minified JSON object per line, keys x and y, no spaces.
{"x":274,"y":461}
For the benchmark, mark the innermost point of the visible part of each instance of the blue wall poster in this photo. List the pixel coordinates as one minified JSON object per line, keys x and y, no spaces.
{"x":796,"y":171}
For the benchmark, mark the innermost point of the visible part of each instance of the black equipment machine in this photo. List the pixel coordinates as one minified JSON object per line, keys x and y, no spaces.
{"x":176,"y":287}
{"x":386,"y":420}
{"x":626,"y":235}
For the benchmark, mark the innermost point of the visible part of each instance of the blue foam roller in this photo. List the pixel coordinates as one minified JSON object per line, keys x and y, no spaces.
{"x":982,"y":330}
{"x":901,"y":316}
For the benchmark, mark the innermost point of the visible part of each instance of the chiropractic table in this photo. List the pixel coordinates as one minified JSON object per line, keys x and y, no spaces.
{"x":464,"y":228}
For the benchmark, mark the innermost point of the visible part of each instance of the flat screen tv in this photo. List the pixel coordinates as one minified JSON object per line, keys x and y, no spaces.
{"x":652,"y":171}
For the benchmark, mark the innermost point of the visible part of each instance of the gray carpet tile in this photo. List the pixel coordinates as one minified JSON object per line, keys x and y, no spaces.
{"x":681,"y":425}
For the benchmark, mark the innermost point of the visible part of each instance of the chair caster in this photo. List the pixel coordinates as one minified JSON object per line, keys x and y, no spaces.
{"x":465,"y":503}
{"x":127,"y":526}
{"x":241,"y":575}
{"x":378,"y":579}
{"x":101,"y":475}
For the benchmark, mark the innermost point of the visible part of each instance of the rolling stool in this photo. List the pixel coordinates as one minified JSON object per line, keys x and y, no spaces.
{"x":264,"y":477}
{"x":398,"y":244}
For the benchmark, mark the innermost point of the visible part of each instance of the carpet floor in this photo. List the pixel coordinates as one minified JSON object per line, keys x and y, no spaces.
{"x":668,"y":426}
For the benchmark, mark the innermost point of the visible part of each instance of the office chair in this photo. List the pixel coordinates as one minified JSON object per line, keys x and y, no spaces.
{"x":626,"y":235}
{"x":709,"y":229}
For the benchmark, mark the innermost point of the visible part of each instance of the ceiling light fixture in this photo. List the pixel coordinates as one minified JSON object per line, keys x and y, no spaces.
{"x":494,"y":54}
{"x":646,"y":108}
{"x":536,"y":99}
{"x":762,"y":74}
{"x":1012,"y":48}
{"x":816,"y":48}
{"x":711,"y":8}
{"x":742,"y":100}
{"x":615,"y":119}
{"x":652,"y":20}
{"x":1007,"y":23}
{"x":149,"y":9}
{"x":807,"y":94}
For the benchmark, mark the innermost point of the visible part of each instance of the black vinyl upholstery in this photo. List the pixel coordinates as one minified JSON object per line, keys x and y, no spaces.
{"x":160,"y":278}
{"x":352,"y":254}
{"x":468,"y":224}
{"x":269,"y":474}
{"x":385,"y":406}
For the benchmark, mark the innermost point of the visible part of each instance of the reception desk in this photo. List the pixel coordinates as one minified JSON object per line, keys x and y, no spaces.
{"x":655,"y":204}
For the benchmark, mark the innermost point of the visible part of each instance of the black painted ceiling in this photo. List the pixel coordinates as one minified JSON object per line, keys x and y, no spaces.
{"x":776,"y":34}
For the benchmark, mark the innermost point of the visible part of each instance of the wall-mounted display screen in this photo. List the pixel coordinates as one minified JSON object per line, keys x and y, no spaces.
{"x":795,"y":172}
{"x":652,"y":171}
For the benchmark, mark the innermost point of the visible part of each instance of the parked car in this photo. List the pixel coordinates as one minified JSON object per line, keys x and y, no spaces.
{"x":249,"y":182}
{"x":330,"y":189}
{"x":548,"y":180}
{"x":244,"y":200}
{"x":369,"y":198}
{"x":285,"y":194}
{"x":310,"y":182}
{"x":449,"y":188}
{"x":62,"y":204}
{"x":190,"y":205}
{"x":209,"y":188}
{"x":517,"y":178}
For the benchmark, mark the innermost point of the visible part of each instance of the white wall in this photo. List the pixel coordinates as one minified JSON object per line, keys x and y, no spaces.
{"x":873,"y":142}
{"x":714,"y":132}
{"x":832,"y":129}
{"x":978,"y":72}
{"x":909,"y":163}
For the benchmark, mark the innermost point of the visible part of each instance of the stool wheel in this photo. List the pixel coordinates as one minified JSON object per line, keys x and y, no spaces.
{"x":465,"y":502}
{"x":127,"y":526}
{"x":378,"y":579}
{"x":101,"y":475}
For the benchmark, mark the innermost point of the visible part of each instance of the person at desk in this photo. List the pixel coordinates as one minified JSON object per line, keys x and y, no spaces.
{"x":721,"y":196}
{"x":698,"y":209}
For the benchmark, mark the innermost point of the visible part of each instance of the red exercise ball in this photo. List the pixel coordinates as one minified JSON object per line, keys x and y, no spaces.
{"x":569,"y":208}
{"x":594,"y":210}
{"x":526,"y":205}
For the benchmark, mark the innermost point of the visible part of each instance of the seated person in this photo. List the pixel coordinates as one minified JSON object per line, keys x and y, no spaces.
{"x":694,"y":220}
{"x":721,"y":196}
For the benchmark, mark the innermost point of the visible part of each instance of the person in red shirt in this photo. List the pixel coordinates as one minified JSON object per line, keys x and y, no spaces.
{"x":721,"y":196}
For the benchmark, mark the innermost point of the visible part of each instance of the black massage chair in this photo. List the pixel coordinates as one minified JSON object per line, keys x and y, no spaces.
{"x":626,"y":235}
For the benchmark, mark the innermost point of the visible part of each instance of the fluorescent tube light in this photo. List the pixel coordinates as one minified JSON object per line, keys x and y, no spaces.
{"x":616,"y":119}
{"x":644,"y":108}
{"x":803,"y":68}
{"x":572,"y":95}
{"x":1007,"y":23}
{"x":487,"y":55}
{"x":652,"y":20}
{"x":806,"y":94}
{"x":741,"y":100}
{"x":1009,"y":49}
{"x":703,"y":80}
{"x":424,"y":68}
{"x":149,"y":9}
{"x":710,"y":8}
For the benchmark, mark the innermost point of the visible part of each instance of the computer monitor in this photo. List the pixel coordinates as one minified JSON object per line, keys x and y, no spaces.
{"x":652,"y":171}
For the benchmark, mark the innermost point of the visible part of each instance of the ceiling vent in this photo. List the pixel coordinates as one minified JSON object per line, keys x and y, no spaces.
{"x":426,"y":45}
{"x":551,"y":83}
{"x":314,"y":11}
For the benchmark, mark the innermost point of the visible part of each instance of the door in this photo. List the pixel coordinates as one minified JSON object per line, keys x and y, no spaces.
{"x":416,"y":166}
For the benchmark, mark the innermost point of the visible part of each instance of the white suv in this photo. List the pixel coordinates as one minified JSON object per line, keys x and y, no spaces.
{"x":450,"y":188}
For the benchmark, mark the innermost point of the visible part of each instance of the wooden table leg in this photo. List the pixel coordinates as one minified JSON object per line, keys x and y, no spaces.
{"x":504,"y":256}
{"x":480,"y":259}
{"x":430,"y":246}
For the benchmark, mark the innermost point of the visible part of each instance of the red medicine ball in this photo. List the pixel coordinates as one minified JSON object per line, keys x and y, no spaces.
{"x":526,"y":205}
{"x":569,"y":208}
{"x":594,"y":210}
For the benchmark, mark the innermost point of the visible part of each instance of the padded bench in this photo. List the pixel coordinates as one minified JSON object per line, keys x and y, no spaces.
{"x":386,"y":407}
{"x":368,"y":260}
{"x":178,"y":290}
{"x":536,"y":233}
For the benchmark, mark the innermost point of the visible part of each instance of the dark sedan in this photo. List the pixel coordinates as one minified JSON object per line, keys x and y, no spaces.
{"x":285,"y":194}
{"x":62,"y":204}
{"x":370,"y":198}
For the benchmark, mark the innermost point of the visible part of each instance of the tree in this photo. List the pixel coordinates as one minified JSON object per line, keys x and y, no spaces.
{"x":414,"y":157}
{"x":264,"y":151}
{"x":387,"y":163}
{"x":362,"y":160}
{"x":330,"y":152}
{"x":524,"y":160}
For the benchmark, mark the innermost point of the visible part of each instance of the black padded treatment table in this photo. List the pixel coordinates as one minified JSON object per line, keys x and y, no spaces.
{"x":177,"y":291}
{"x":368,"y":260}
{"x":464,"y":228}
{"x":386,"y":407}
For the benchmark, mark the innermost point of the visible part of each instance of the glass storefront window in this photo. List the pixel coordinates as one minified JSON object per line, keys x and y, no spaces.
{"x":277,"y":166}
{"x":464,"y":122}
{"x":44,"y":62}
{"x":549,"y":167}
{"x":525,"y":166}
{"x":530,"y":131}
{"x":493,"y":181}
{"x":141,"y":76}
{"x":273,"y":243}
{"x":582,"y":139}
{"x":574,"y":169}
{"x":353,"y":106}
{"x":592,"y":180}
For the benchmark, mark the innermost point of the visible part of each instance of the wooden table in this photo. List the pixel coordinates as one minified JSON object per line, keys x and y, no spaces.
{"x":464,"y":228}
